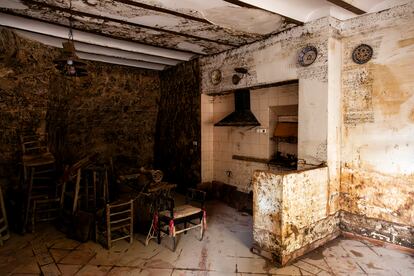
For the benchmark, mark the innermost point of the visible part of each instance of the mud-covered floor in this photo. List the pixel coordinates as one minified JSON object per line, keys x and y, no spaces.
{"x":224,"y":251}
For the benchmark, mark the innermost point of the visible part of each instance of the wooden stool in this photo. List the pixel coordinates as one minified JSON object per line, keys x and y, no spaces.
{"x":4,"y":226}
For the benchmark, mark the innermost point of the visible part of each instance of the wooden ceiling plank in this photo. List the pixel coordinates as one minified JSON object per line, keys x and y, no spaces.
{"x":128,"y":23}
{"x":247,"y":5}
{"x":347,"y":6}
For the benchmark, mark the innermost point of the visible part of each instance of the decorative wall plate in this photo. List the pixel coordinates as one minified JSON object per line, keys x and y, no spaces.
{"x":308,"y":55}
{"x":215,"y":77}
{"x":362,"y":54}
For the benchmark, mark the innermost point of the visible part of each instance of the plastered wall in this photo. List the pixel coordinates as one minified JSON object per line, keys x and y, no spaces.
{"x":269,"y":62}
{"x":358,"y":119}
{"x":377,"y":153}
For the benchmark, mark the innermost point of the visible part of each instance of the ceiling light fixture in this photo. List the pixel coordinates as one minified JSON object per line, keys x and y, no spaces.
{"x":69,"y":63}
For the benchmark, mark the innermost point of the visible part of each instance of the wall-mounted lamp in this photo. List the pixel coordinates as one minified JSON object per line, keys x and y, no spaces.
{"x":241,"y":72}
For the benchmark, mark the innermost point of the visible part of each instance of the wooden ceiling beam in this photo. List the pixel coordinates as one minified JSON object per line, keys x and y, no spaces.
{"x":123,"y":22}
{"x":250,"y":6}
{"x":347,"y":6}
{"x":15,"y":20}
{"x":163,"y":10}
{"x":56,"y":41}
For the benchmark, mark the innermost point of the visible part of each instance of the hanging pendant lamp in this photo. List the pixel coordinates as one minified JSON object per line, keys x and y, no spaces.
{"x":69,"y":63}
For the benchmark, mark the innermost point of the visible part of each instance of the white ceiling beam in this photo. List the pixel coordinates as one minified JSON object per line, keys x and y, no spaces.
{"x":85,"y":37}
{"x":120,"y":61}
{"x":301,"y":10}
{"x":95,"y":49}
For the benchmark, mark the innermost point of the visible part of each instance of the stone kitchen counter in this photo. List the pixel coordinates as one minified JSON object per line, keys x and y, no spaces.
{"x":290,"y":214}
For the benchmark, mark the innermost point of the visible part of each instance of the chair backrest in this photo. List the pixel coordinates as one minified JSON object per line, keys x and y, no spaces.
{"x":119,"y":214}
{"x":195,"y":196}
{"x":33,"y":144}
{"x":42,"y":181}
{"x":165,"y":203}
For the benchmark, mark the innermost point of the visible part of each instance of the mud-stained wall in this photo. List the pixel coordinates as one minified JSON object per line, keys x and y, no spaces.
{"x":178,"y":136}
{"x":272,"y":61}
{"x":377,"y":178}
{"x":290,"y":211}
{"x":112,"y":111}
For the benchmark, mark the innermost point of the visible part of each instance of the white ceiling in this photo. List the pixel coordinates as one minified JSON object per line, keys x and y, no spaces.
{"x":155,"y":34}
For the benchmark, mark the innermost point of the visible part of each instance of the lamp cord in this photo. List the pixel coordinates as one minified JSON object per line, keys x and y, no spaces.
{"x":70,"y":21}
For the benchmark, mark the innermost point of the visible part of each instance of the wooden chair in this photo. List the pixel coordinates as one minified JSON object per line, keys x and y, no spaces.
{"x":117,"y":224}
{"x":4,"y":226}
{"x":43,"y":201}
{"x":35,"y":153}
{"x":188,"y":216}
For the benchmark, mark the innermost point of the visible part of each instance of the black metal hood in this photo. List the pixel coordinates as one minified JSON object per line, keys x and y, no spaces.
{"x":242,"y":116}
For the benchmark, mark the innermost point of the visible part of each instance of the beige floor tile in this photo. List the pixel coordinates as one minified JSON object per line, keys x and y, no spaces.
{"x":325,"y":273}
{"x":157,"y":263}
{"x":65,"y":243}
{"x":78,"y":257}
{"x":44,"y":258}
{"x":226,"y":244}
{"x":126,"y":271}
{"x":400,"y":262}
{"x":316,"y":258}
{"x":30,"y":266}
{"x":178,"y":272}
{"x":93,"y":270}
{"x":250,"y":265}
{"x":50,"y":270}
{"x":107,"y":258}
{"x":222,"y":264}
{"x":59,"y":254}
{"x":120,"y":271}
{"x":287,"y":270}
{"x":25,"y":274}
{"x":68,"y":270}
{"x":307,"y":267}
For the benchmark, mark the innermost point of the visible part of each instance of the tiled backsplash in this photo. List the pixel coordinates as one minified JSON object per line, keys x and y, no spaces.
{"x":219,"y":144}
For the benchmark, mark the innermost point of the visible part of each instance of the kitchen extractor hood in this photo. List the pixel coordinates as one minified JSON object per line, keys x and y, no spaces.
{"x":242,"y":115}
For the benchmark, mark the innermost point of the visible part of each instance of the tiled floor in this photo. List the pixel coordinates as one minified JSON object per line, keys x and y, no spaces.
{"x":224,"y":251}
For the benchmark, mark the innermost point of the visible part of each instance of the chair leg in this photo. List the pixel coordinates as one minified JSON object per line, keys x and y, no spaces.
{"x":131,"y":227}
{"x":159,"y":232}
{"x":33,"y":216}
{"x":185,"y":227}
{"x":201,"y":229}
{"x":201,"y":232}
{"x":108,"y":228}
{"x":174,"y":243}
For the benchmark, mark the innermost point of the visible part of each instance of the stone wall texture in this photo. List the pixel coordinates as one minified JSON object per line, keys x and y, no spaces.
{"x":178,"y":136}
{"x":113,"y":111}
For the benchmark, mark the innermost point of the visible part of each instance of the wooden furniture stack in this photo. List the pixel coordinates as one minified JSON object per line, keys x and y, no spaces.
{"x":39,"y":179}
{"x":4,"y":226}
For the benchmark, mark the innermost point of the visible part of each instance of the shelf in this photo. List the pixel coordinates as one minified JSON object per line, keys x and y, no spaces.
{"x":251,"y":159}
{"x":290,"y":140}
